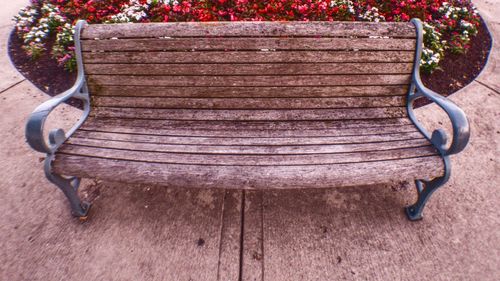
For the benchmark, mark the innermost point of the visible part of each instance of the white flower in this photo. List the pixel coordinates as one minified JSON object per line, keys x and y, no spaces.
{"x":133,"y":11}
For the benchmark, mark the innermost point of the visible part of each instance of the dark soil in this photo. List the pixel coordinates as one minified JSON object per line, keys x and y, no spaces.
{"x":455,"y":70}
{"x":44,"y":72}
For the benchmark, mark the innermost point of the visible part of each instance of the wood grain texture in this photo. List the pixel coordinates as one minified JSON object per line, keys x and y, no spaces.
{"x":245,"y":141}
{"x":257,"y":133}
{"x":247,"y":125}
{"x":249,"y":29}
{"x":250,"y":69}
{"x":186,"y":158}
{"x":256,"y":44}
{"x":213,"y":114}
{"x":249,"y":177}
{"x":249,"y":92}
{"x":249,"y":150}
{"x":257,"y":80}
{"x":247,"y":129}
{"x":249,"y":57}
{"x":248,"y":103}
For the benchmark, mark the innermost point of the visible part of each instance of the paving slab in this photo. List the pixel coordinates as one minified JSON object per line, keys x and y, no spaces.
{"x":252,"y":258}
{"x":8,"y":75}
{"x":140,"y":232}
{"x":135,"y":232}
{"x":490,"y":76}
{"x":490,"y":11}
{"x":361,"y":233}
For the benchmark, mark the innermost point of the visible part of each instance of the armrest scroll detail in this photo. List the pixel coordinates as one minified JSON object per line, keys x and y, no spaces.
{"x":36,"y":121}
{"x":460,"y":124}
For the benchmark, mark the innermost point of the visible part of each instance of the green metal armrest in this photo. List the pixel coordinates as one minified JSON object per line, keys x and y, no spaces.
{"x":460,"y":124}
{"x":35,"y":128}
{"x":36,"y":121}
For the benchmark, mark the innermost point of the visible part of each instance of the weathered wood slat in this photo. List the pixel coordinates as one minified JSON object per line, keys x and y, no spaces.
{"x":255,"y":133}
{"x":250,"y":177}
{"x":247,"y":160}
{"x":213,"y":114}
{"x":255,"y":92}
{"x":250,"y":69}
{"x":249,"y":103}
{"x":250,"y":29}
{"x":249,"y":150}
{"x":238,"y":81}
{"x":241,"y":141}
{"x":250,"y":125}
{"x":221,"y":44}
{"x":250,"y":128}
{"x":249,"y":57}
{"x":247,"y":133}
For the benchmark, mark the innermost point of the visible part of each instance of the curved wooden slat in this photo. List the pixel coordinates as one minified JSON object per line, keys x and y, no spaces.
{"x":257,"y":133}
{"x":231,"y":129}
{"x":249,"y":150}
{"x":213,"y":114}
{"x":250,"y":177}
{"x":249,"y":103}
{"x":250,"y":92}
{"x":221,"y":44}
{"x":274,"y":125}
{"x":246,"y":159}
{"x":250,"y":69}
{"x":249,"y":57}
{"x":239,"y":81}
{"x":249,"y":29}
{"x":244,"y":141}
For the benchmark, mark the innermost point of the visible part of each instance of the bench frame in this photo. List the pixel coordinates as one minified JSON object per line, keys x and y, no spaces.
{"x":438,"y":138}
{"x":35,"y":128}
{"x":69,"y":185}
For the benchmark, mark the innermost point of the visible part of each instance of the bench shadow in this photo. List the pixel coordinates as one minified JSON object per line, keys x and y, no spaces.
{"x":124,"y":203}
{"x":186,"y":224}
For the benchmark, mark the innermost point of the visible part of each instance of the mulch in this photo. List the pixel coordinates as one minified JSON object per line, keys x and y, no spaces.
{"x":44,"y":72}
{"x":455,"y":70}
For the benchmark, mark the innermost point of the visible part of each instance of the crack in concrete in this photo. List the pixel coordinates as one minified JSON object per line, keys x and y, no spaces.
{"x":12,"y":86}
{"x":221,"y":233}
{"x":242,"y":238}
{"x":489,"y":87}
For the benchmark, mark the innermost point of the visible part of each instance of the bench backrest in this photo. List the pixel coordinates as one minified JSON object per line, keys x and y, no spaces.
{"x":249,"y":70}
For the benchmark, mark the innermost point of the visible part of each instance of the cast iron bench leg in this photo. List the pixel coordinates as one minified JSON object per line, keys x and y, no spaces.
{"x":69,"y":186}
{"x":425,"y":189}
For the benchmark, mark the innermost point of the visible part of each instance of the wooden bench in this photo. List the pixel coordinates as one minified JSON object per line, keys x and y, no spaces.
{"x":248,"y":105}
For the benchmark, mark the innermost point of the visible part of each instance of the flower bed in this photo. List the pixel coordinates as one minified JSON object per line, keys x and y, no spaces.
{"x":448,"y":25}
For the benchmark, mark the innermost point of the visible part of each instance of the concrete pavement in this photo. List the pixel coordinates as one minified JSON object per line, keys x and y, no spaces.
{"x":139,"y":232}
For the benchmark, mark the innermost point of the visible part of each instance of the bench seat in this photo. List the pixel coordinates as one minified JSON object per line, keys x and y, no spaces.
{"x":249,"y":154}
